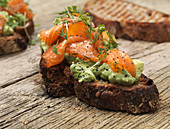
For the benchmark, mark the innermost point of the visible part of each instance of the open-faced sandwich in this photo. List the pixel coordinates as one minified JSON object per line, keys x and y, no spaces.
{"x":79,"y":59}
{"x":16,"y":25}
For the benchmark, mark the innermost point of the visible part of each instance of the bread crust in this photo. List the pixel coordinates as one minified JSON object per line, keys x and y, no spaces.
{"x":142,"y":97}
{"x":131,"y":29}
{"x":17,"y":41}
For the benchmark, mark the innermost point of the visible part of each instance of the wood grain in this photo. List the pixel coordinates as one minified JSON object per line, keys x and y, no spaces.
{"x":23,"y":103}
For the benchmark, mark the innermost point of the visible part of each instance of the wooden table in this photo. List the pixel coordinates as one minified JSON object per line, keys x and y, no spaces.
{"x":23,"y":103}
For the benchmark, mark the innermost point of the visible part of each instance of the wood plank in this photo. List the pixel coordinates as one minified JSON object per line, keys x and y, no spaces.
{"x":24,"y":104}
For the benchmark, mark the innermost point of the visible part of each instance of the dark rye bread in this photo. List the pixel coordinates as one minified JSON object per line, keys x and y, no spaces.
{"x":142,"y":97}
{"x":130,"y":21}
{"x":56,"y":80}
{"x":17,"y":41}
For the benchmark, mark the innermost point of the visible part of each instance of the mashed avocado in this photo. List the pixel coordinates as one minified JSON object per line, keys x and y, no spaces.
{"x":82,"y":72}
{"x":42,"y":44}
{"x":12,"y":22}
{"x":85,"y":71}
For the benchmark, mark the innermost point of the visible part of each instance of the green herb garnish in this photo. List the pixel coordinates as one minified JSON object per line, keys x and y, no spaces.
{"x":31,"y":41}
{"x":3,"y":3}
{"x":69,"y":11}
{"x":112,"y":43}
{"x":54,"y":49}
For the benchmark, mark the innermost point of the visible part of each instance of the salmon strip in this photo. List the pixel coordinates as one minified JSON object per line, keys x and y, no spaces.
{"x":51,"y":35}
{"x":78,"y":29}
{"x":54,"y":59}
{"x":84,"y":50}
{"x":20,"y":6}
{"x":119,"y":60}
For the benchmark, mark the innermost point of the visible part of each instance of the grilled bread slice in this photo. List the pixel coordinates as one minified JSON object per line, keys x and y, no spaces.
{"x":130,"y":21}
{"x":141,"y":97}
{"x":17,"y":41}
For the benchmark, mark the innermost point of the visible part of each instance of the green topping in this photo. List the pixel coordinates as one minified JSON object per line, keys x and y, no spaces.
{"x":139,"y":68}
{"x":42,"y":44}
{"x":20,"y":18}
{"x":3,"y":3}
{"x":55,"y":49}
{"x":71,"y":59}
{"x":12,"y":22}
{"x":57,"y":21}
{"x":111,"y":43}
{"x":69,"y":11}
{"x":124,"y":78}
{"x":82,"y":73}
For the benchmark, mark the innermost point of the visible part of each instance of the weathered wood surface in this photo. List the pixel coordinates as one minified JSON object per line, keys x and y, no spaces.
{"x":23,"y":104}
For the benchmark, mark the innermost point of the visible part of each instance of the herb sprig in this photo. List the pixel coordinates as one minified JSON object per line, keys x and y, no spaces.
{"x":31,"y":41}
{"x":3,"y":3}
{"x":54,"y":49}
{"x":69,"y":12}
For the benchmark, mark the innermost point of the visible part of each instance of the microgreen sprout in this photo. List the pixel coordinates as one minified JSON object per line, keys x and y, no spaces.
{"x":3,"y":3}
{"x":54,"y":49}
{"x":31,"y":41}
{"x":62,"y":33}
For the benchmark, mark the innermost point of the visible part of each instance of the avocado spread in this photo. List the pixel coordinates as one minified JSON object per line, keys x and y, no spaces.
{"x":42,"y":44}
{"x":12,"y":22}
{"x":85,"y":71}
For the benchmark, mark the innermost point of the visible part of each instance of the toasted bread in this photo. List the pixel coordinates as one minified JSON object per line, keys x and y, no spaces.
{"x":17,"y":41}
{"x":142,"y":97}
{"x":130,"y":21}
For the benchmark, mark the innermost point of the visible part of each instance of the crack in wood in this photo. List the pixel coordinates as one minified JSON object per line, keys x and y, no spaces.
{"x":158,"y":71}
{"x":66,"y":115}
{"x":148,"y":54}
{"x":149,"y":47}
{"x":13,"y":118}
{"x":165,"y":79}
{"x":51,"y":111}
{"x":11,"y":83}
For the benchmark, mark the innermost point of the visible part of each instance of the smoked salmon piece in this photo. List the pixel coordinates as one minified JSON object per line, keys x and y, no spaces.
{"x":84,"y":50}
{"x":51,"y":35}
{"x":119,"y":60}
{"x":20,"y":6}
{"x":74,"y":29}
{"x":54,"y":59}
{"x":78,"y":29}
